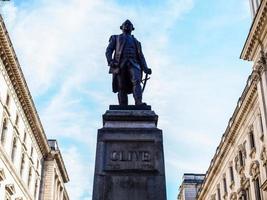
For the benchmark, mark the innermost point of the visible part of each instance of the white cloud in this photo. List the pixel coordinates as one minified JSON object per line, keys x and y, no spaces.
{"x":81,"y":178}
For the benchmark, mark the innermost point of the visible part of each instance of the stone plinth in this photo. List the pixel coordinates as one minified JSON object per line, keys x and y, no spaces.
{"x":129,"y":156}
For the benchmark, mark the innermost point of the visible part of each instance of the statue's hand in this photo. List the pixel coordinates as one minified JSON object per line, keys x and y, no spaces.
{"x":148,"y":71}
{"x":112,"y":64}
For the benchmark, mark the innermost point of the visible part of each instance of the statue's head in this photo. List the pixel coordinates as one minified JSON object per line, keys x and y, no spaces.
{"x":127,"y":26}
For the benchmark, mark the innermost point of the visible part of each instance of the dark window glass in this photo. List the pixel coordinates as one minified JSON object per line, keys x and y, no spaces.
{"x":14,"y":149}
{"x":22,"y":164}
{"x":261,"y":125}
{"x":219,"y":193}
{"x":17,"y":120}
{"x":4,"y":131}
{"x":257,"y":189}
{"x":224,"y":185}
{"x":232,"y":173}
{"x":252,"y":141}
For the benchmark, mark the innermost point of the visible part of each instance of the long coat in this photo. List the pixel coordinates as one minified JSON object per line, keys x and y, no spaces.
{"x":117,"y":43}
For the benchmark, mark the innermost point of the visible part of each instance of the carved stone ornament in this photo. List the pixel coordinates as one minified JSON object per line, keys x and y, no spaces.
{"x":244,"y":181}
{"x":213,"y":197}
{"x":10,"y":188}
{"x":2,"y":175}
{"x":233,"y":196}
{"x":254,"y":169}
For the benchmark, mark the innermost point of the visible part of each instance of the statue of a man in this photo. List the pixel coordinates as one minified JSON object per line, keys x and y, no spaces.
{"x":126,"y":65}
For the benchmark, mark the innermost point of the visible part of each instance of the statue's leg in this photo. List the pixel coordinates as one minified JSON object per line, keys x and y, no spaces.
{"x":123,"y":98}
{"x":122,"y":94}
{"x":135,"y":75}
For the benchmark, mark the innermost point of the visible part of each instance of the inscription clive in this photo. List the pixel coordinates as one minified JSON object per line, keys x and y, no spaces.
{"x":140,"y":156}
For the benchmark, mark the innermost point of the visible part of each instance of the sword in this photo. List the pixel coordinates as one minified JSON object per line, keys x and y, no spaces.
{"x":144,"y":82}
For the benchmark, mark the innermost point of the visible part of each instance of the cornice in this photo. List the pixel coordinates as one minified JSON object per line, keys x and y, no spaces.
{"x":257,"y":31}
{"x":62,"y":167}
{"x":12,"y":66}
{"x":245,"y":101}
{"x":55,"y":154}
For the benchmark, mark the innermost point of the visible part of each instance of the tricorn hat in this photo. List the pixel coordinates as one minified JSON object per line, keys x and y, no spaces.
{"x":128,"y":21}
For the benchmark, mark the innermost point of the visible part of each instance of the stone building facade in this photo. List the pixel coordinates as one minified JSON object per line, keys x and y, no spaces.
{"x":31,"y":167}
{"x":238,"y":170}
{"x":190,"y":186}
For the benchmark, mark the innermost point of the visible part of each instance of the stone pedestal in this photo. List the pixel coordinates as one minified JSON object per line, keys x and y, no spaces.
{"x":129,"y":156}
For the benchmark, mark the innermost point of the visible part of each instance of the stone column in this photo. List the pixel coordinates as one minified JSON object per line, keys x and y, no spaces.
{"x":129,"y":157}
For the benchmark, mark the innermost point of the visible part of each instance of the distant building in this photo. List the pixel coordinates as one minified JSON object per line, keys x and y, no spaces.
{"x":31,"y":167}
{"x":190,"y":186}
{"x":238,"y":170}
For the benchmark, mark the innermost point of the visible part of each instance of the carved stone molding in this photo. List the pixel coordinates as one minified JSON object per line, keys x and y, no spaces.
{"x":264,"y":186}
{"x":244,"y":181}
{"x":10,"y":188}
{"x":254,"y":169}
{"x":256,"y":32}
{"x":2,"y":175}
{"x":233,"y":196}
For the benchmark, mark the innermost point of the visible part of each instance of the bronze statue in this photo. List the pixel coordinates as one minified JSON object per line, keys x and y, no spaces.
{"x":126,"y":65}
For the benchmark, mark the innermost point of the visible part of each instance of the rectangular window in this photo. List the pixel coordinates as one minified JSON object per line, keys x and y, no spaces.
{"x":7,"y":100}
{"x":17,"y":120}
{"x":14,"y":149}
{"x":24,"y":137}
{"x":219,"y":193}
{"x":29,"y":177}
{"x":4,"y":131}
{"x":31,"y":152}
{"x":232,"y":173}
{"x":35,"y":188}
{"x":252,"y":140}
{"x":257,"y":189}
{"x":224,"y":185}
{"x":22,"y":164}
{"x":261,"y":125}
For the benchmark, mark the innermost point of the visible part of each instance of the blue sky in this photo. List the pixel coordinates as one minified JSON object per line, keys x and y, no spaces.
{"x":192,"y":46}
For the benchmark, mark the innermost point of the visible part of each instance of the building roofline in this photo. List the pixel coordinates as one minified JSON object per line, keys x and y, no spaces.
{"x":60,"y":161}
{"x":12,"y":66}
{"x":233,"y":125}
{"x":252,"y":41}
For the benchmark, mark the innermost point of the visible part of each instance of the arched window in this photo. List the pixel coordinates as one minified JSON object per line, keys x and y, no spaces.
{"x":4,"y":130}
{"x":14,"y":149}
